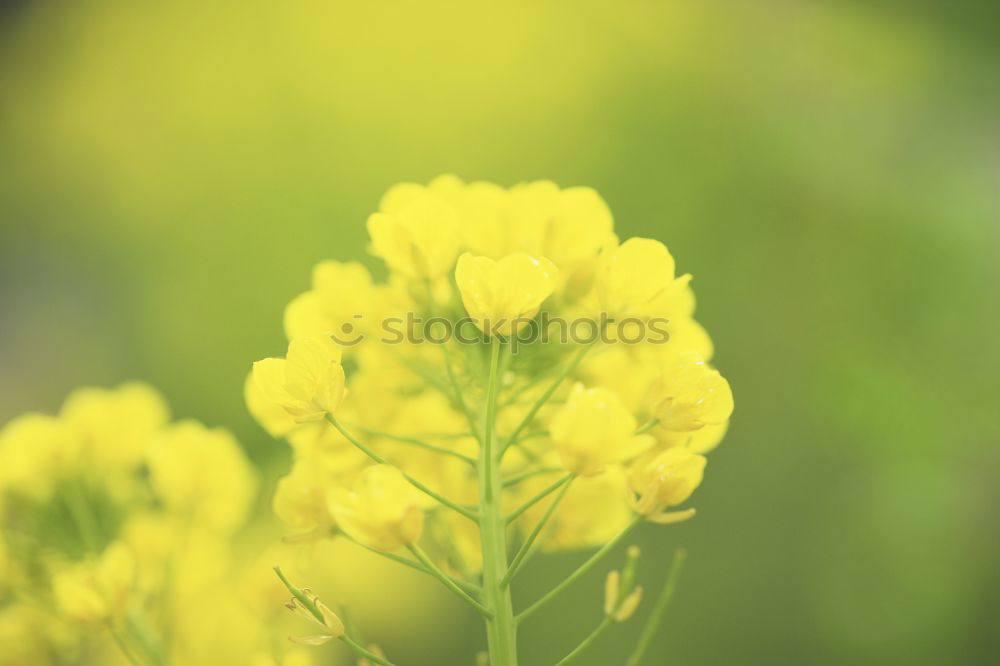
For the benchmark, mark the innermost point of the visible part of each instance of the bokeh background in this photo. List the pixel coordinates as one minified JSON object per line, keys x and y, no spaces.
{"x":828,"y":171}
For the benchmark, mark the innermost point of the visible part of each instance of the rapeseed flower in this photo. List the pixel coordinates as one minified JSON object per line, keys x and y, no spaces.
{"x":381,"y":511}
{"x":308,"y":384}
{"x":473,"y":452}
{"x":501,"y":295}
{"x":593,"y":430}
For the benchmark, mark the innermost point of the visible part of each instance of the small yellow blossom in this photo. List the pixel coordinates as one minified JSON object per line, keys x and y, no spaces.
{"x":666,"y":480}
{"x":340,"y":293}
{"x":700,"y":441}
{"x":382,"y":511}
{"x":593,"y":511}
{"x":418,"y":237}
{"x":114,"y":425}
{"x":35,"y":451}
{"x":567,"y":225}
{"x":270,"y":415}
{"x":593,"y":430}
{"x":300,"y":500}
{"x":308,"y":384}
{"x":497,"y":294}
{"x":202,"y":473}
{"x":691,"y":395}
{"x":635,"y":278}
{"x":24,"y":634}
{"x":96,"y":591}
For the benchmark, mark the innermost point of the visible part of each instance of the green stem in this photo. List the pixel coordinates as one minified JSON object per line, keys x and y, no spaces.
{"x":145,"y":638}
{"x":514,"y":515}
{"x":582,"y":569}
{"x":446,"y":579}
{"x":586,"y":643}
{"x":124,"y":647}
{"x":458,"y":396}
{"x":501,"y":629}
{"x":491,"y":408}
{"x":299,"y":595}
{"x":647,"y":426}
{"x":432,"y":380}
{"x":362,"y":652}
{"x":553,"y":387}
{"x":468,"y":513}
{"x":86,"y":524}
{"x":659,"y":610}
{"x":349,"y":627}
{"x":415,"y":442}
{"x":515,"y":479}
{"x":468,"y":587}
{"x":526,"y":546}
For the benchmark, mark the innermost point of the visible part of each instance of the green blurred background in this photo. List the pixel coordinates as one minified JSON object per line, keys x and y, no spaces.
{"x":169,"y":173}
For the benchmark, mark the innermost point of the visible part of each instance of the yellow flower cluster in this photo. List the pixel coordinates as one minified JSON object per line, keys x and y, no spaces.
{"x":117,"y":526}
{"x":436,"y":439}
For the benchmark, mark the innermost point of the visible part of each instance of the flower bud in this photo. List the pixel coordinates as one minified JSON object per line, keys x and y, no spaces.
{"x":611,"y":589}
{"x":628,"y":606}
{"x":331,"y":624}
{"x":307,"y":605}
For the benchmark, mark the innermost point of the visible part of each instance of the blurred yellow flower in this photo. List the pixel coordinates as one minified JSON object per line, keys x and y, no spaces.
{"x":308,"y":384}
{"x":566,"y":225}
{"x":382,"y":511}
{"x":339,"y":292}
{"x":269,"y":414}
{"x":498,"y":293}
{"x":35,"y":451}
{"x":300,"y":500}
{"x":701,"y":441}
{"x":202,"y":473}
{"x":691,"y":395}
{"x":96,"y":591}
{"x":635,"y":278}
{"x":593,"y":511}
{"x":114,"y":425}
{"x":665,"y":480}
{"x":593,"y":430}
{"x":417,"y":236}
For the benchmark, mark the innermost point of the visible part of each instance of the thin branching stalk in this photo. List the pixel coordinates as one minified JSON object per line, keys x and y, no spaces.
{"x":446,"y":580}
{"x":659,"y":610}
{"x":553,"y":387}
{"x":415,"y":441}
{"x":539,"y":526}
{"x":465,"y":511}
{"x":516,"y":513}
{"x":471,"y":588}
{"x":586,"y":642}
{"x":581,"y":570}
{"x":515,"y":479}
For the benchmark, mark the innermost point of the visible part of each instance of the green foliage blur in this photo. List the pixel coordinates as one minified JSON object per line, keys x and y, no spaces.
{"x":170,"y":172}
